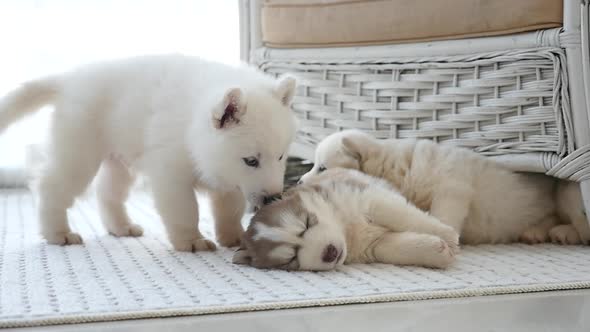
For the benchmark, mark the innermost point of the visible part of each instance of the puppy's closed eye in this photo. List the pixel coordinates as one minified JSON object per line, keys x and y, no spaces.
{"x":310,"y":221}
{"x":293,"y":264}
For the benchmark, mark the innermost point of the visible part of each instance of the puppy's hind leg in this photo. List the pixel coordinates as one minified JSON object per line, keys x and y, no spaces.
{"x":73,"y":161}
{"x":408,"y":248}
{"x":114,"y":181}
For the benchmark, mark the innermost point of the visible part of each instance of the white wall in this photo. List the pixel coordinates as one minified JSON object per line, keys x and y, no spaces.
{"x":45,"y":36}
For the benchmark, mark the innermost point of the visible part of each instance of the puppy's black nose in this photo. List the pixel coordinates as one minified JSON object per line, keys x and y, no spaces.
{"x":330,"y":254}
{"x":271,"y":198}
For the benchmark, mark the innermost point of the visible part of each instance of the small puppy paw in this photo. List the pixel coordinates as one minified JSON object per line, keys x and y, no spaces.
{"x":194,"y":245}
{"x":452,"y":240}
{"x":534,"y":235}
{"x":131,"y":229}
{"x":564,"y":234}
{"x":63,"y":238}
{"x":454,"y":246}
{"x":229,"y":242}
{"x":443,"y":255}
{"x":230,"y":239}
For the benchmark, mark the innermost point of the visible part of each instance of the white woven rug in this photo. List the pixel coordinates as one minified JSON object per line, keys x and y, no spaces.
{"x":112,"y":279}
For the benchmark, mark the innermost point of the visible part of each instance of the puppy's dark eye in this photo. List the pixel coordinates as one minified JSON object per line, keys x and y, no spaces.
{"x":281,"y":158}
{"x":321,"y":169}
{"x":251,"y":162}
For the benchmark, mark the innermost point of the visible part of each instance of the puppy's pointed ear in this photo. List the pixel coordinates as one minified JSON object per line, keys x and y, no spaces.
{"x":285,"y":89}
{"x":231,"y":109}
{"x":241,"y":256}
{"x":352,"y":148}
{"x":359,"y":146}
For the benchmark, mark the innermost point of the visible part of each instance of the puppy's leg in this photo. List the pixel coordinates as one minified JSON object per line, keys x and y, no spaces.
{"x":175,"y":200}
{"x":114,"y":181}
{"x":564,"y":234}
{"x":73,"y":159}
{"x":571,"y":208}
{"x":538,"y":233}
{"x":408,"y":248}
{"x":394,"y":212}
{"x":228,"y":210}
{"x":581,"y":225}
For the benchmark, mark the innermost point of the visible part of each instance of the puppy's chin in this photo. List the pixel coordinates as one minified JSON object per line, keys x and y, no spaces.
{"x":254,"y":204}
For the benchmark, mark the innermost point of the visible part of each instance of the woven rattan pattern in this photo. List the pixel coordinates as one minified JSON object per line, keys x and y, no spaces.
{"x":504,"y":102}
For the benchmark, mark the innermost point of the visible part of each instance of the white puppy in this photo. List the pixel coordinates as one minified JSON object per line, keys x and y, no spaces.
{"x":344,"y":216}
{"x":184,"y":122}
{"x":482,"y":200}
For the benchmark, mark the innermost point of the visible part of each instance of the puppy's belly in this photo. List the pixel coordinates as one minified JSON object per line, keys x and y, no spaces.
{"x":504,"y":205}
{"x":498,"y":226}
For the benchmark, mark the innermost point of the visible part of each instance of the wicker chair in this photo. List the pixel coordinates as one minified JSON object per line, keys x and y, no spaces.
{"x":521,"y":98}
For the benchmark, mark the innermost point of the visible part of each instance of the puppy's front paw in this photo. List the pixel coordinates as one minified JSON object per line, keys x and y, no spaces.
{"x":233,"y":241}
{"x":452,"y":239}
{"x":194,"y":245}
{"x":130,"y":229}
{"x":564,"y":234}
{"x":534,"y":235}
{"x":230,"y":238}
{"x":62,"y":239}
{"x":447,"y":253}
{"x":440,"y":255}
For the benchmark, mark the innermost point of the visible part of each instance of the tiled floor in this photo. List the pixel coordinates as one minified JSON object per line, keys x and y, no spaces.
{"x":567,"y":311}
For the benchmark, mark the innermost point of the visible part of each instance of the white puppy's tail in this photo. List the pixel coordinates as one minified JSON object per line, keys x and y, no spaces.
{"x":27,"y":99}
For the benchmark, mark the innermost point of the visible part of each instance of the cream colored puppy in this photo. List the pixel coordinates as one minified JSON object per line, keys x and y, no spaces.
{"x":482,"y":200}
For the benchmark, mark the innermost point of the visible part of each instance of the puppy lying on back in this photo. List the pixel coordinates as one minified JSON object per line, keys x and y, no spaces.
{"x":344,"y":216}
{"x":482,"y":200}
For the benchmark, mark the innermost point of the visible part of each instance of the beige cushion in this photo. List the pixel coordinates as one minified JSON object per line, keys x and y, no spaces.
{"x":320,"y":23}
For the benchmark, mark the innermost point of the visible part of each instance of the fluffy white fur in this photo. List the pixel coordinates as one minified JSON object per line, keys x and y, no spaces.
{"x":345,"y":216}
{"x":483,"y":201}
{"x":183,"y":122}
